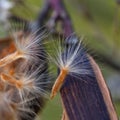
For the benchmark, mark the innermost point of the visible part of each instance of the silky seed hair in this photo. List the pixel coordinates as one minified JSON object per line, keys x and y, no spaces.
{"x":71,"y":58}
{"x":29,"y":47}
{"x":27,"y":75}
{"x":6,"y":108}
{"x":71,"y":55}
{"x":30,"y":44}
{"x":23,"y":110}
{"x":29,"y":82}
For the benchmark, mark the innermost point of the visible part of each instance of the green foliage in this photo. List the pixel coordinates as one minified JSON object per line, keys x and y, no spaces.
{"x":53,"y":110}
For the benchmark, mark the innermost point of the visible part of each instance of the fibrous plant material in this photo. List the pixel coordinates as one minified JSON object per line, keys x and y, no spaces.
{"x":24,"y":83}
{"x":83,"y":90}
{"x":66,"y":59}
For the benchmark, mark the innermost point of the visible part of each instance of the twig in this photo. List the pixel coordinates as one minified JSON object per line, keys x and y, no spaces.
{"x":58,"y":13}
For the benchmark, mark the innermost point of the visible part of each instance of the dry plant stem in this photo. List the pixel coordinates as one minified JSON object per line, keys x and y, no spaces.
{"x":58,"y":13}
{"x":17,"y":83}
{"x":10,"y":58}
{"x":58,"y":83}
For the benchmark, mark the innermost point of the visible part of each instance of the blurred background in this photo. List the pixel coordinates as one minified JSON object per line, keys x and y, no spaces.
{"x":99,"y":23}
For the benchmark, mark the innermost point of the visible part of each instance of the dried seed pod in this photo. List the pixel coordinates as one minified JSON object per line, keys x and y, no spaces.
{"x":83,"y":90}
